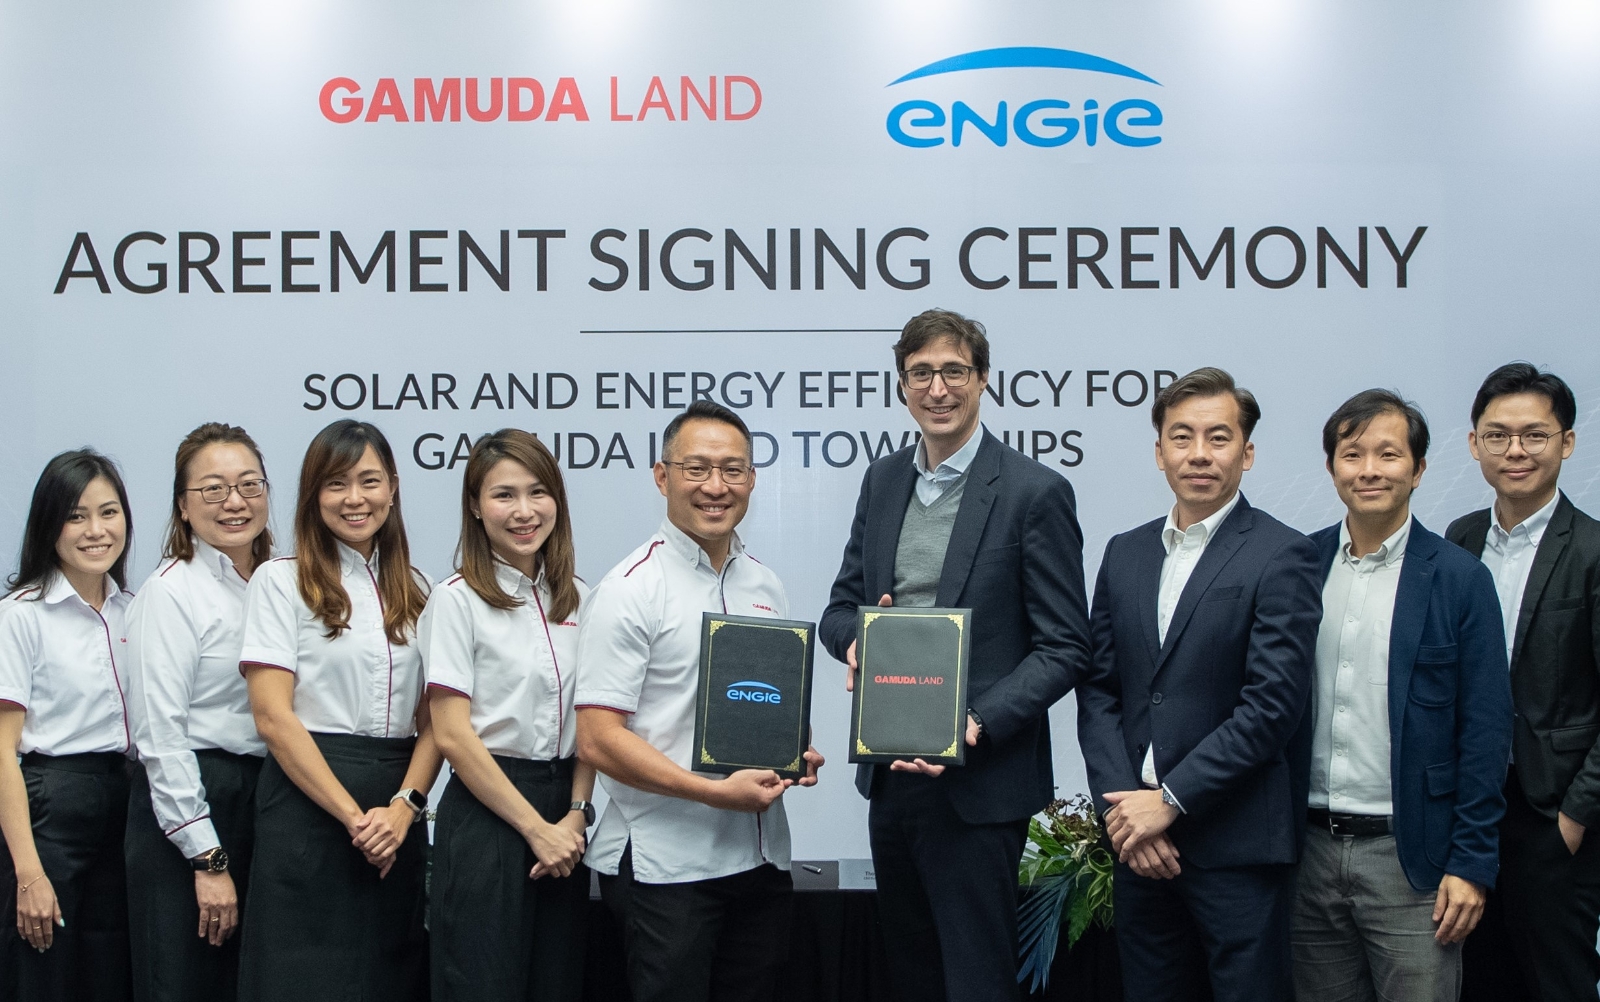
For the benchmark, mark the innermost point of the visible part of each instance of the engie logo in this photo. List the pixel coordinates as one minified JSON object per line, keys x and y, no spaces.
{"x":754,"y":692}
{"x":1037,"y":120}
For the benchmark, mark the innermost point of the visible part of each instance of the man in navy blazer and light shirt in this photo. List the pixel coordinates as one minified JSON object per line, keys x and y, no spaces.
{"x":1411,"y":727}
{"x":961,"y":520}
{"x":1204,"y":626}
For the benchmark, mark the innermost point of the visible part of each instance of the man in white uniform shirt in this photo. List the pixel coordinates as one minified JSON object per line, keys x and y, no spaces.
{"x":1410,"y":725}
{"x":695,"y":866}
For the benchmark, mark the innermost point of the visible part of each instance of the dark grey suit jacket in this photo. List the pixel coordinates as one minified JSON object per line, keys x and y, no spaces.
{"x":1016,"y":560}
{"x":1555,"y":663}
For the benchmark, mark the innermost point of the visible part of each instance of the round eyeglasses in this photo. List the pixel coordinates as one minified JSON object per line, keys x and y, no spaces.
{"x":1498,"y":442}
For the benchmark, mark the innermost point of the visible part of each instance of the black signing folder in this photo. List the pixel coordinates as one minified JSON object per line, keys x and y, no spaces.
{"x":753,"y":710}
{"x":911,"y":690}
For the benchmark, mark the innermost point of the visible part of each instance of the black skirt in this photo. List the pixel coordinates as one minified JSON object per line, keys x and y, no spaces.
{"x":171,"y":963}
{"x":319,"y":923}
{"x":79,"y":808}
{"x":498,"y":936}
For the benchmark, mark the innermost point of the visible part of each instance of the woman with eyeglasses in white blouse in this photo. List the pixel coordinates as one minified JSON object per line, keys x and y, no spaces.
{"x":191,"y":817}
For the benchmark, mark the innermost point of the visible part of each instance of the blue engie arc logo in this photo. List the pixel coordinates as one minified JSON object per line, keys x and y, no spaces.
{"x":754,"y":692}
{"x":1047,"y":121}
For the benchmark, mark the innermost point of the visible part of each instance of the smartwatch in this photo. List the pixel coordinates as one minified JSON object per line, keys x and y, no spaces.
{"x":416,"y":801}
{"x":587,"y":809}
{"x":212,"y":861}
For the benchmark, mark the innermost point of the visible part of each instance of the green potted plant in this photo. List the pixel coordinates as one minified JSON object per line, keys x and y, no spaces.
{"x":1065,"y":874}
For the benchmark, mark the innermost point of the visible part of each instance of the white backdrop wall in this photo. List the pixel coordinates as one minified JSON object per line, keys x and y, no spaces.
{"x":1469,"y":129}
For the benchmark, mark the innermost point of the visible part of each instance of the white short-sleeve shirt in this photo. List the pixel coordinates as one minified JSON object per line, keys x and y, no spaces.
{"x":358,"y":682}
{"x":517,"y":666}
{"x":184,"y":688}
{"x":639,"y":655}
{"x":65,"y":663}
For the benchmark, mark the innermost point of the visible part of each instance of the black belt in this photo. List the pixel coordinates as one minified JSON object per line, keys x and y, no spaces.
{"x":1350,"y":825}
{"x":92,"y":762}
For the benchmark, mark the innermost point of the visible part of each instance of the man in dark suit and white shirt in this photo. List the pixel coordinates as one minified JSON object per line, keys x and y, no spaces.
{"x":1544,"y":555}
{"x":960,"y":520}
{"x":1204,"y":626}
{"x":1411,"y":724}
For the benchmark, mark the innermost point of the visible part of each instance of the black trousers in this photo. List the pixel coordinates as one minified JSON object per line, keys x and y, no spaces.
{"x":171,"y":963}
{"x":1537,"y":937}
{"x":79,"y":808}
{"x":319,"y":923}
{"x":947,"y":893}
{"x":719,"y":940}
{"x":1207,"y":933}
{"x":497,"y":936}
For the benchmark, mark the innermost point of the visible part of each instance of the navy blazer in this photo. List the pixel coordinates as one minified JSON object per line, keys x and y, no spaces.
{"x":1222,"y":698}
{"x":1015,"y":559}
{"x":1449,"y":710}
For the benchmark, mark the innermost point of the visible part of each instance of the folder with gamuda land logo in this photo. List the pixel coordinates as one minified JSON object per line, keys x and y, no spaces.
{"x":911,"y":691}
{"x":753,"y":710}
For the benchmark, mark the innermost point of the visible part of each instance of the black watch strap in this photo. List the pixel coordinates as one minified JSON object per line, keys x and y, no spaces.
{"x":212,"y":861}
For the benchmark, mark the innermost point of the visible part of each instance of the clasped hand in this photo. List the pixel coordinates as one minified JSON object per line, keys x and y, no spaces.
{"x":1137,"y":824}
{"x":380,"y":832}
{"x":558,"y":847}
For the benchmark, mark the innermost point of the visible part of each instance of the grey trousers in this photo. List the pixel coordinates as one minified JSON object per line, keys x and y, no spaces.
{"x":1361,"y":932}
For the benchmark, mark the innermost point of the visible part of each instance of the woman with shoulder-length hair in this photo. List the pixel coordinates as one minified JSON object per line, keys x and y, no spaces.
{"x":191,"y":816}
{"x":64,"y":807}
{"x":500,"y":640}
{"x":336,"y":887}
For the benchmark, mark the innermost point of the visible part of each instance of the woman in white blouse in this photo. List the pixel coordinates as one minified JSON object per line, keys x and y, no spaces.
{"x":336,"y":903}
{"x":191,"y":817}
{"x":63,"y":810}
{"x":500,"y":641}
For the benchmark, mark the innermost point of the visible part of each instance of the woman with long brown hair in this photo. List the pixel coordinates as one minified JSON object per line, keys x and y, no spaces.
{"x":500,"y":640}
{"x":335,"y":676}
{"x":191,"y":815}
{"x":64,"y":805}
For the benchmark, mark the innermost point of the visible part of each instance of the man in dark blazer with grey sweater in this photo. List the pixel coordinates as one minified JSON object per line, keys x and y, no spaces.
{"x":961,"y":520}
{"x":1544,"y":554}
{"x":1205,"y":627}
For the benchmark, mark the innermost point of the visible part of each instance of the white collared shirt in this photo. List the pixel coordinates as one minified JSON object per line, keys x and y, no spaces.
{"x":1184,"y":548}
{"x":184,"y":688}
{"x":357,"y":683}
{"x":639,"y":654}
{"x":65,"y":664}
{"x":1350,"y":700}
{"x":517,"y":666}
{"x":1509,"y":557}
{"x":933,"y":483}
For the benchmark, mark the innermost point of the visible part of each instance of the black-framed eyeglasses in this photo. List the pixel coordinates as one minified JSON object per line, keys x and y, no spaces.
{"x":921,"y":377}
{"x":733,"y":473}
{"x":1498,"y":442}
{"x":218,"y":493}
